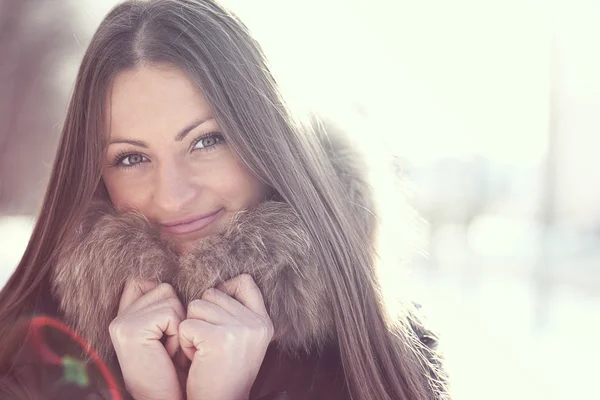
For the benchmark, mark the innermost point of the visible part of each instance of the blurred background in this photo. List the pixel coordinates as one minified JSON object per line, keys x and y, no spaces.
{"x":492,"y":110}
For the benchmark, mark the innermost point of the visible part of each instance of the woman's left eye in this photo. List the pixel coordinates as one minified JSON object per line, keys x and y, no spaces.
{"x":208,"y":141}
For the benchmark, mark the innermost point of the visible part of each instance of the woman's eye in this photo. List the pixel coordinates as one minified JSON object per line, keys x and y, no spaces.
{"x":208,"y":141}
{"x":132,"y":160}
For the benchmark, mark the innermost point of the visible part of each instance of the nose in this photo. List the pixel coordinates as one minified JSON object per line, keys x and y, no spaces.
{"x":175,"y":189}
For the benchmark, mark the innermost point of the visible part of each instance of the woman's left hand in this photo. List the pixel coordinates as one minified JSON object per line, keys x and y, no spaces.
{"x":226,"y":337}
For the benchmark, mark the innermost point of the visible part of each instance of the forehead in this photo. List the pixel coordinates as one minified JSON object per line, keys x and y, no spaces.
{"x":153,"y":98}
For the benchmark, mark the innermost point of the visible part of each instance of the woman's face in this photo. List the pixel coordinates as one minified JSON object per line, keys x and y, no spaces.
{"x":168,"y":159}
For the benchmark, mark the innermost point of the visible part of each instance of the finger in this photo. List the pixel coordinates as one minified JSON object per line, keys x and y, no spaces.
{"x":164,"y":327}
{"x":209,"y":312}
{"x":160,"y":292}
{"x":167,"y":321}
{"x":225,"y":302}
{"x":193,"y":334}
{"x":133,"y":290}
{"x":244,"y":289}
{"x":172,"y":343}
{"x":147,"y":327}
{"x":172,"y":303}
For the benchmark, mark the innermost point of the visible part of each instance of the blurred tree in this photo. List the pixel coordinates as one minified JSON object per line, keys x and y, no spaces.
{"x":35,"y":37}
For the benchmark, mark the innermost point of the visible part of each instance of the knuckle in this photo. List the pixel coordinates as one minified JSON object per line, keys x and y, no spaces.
{"x":209,"y":293}
{"x":113,"y":327}
{"x":195,"y":304}
{"x":246,"y":279}
{"x":269,"y":329}
{"x":166,"y":289}
{"x":170,"y":312}
{"x":174,"y":303}
{"x":263,"y":326}
{"x":195,"y":307}
{"x":117,"y":329}
{"x":265,"y":329}
{"x":184,"y":327}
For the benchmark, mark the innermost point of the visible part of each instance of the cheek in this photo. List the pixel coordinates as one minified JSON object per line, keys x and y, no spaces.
{"x":239,"y":187}
{"x":126,"y":195}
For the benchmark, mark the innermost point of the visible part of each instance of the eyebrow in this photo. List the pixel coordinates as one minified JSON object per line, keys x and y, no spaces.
{"x":179,"y":137}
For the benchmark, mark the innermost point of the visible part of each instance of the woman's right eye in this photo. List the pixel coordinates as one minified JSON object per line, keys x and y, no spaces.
{"x":129,"y":160}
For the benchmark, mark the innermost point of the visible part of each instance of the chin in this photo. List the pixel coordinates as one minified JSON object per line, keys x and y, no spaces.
{"x":187,"y":243}
{"x":184,"y":247}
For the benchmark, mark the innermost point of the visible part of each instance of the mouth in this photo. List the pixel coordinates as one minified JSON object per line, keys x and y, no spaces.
{"x":192,"y":225}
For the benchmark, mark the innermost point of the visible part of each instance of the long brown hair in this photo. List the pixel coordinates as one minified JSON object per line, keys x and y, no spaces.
{"x":218,"y":53}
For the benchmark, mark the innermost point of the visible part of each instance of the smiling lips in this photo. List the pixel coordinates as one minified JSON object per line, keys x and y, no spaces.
{"x":191,"y":224}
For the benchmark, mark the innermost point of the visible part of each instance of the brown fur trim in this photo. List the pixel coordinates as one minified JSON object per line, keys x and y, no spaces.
{"x":270,"y":244}
{"x":267,"y":242}
{"x":105,"y":251}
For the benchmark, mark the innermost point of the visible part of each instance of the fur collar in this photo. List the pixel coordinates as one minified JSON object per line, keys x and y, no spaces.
{"x":268,"y":242}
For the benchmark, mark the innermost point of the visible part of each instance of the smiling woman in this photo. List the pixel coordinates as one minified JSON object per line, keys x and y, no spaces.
{"x":205,"y":240}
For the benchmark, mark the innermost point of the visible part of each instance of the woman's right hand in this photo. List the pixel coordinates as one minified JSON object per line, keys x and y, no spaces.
{"x":147,"y":311}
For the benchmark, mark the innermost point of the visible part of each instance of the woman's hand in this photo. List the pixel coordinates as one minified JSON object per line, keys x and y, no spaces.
{"x":147,"y":311}
{"x":226,"y":337}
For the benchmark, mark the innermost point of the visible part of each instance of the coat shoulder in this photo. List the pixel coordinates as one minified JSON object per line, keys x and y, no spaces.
{"x":300,"y":377}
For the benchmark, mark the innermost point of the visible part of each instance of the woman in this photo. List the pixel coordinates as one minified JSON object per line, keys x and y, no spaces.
{"x":199,"y":239}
